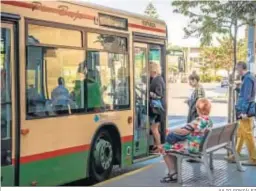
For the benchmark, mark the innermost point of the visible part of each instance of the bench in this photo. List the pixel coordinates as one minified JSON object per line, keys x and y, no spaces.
{"x":215,"y":139}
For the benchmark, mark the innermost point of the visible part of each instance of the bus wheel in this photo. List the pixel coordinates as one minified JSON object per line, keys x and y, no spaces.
{"x":102,"y":156}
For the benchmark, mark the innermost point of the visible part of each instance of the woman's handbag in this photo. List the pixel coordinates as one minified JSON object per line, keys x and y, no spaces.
{"x":156,"y":106}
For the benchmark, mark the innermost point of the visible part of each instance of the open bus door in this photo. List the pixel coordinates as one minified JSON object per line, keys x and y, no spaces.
{"x":9,"y":101}
{"x":144,"y":53}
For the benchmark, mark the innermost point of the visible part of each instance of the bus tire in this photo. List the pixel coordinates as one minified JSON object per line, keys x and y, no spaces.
{"x":101,"y":157}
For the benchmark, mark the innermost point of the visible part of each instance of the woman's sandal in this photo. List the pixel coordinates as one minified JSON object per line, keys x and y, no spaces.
{"x":169,"y":178}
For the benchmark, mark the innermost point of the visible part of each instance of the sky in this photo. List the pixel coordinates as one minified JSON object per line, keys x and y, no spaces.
{"x":175,"y":22}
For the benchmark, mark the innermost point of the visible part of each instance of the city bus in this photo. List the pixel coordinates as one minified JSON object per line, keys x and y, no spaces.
{"x":74,"y":90}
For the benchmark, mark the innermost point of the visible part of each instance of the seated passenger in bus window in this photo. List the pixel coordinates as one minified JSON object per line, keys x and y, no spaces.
{"x":60,"y":97}
{"x":35,"y":101}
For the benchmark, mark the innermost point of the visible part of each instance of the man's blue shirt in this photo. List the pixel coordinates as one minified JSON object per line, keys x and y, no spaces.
{"x":247,"y":91}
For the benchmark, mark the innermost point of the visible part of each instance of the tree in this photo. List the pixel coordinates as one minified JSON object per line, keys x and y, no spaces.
{"x":207,"y":18}
{"x":205,"y":73}
{"x":225,"y":53}
{"x":221,"y":57}
{"x":151,"y":11}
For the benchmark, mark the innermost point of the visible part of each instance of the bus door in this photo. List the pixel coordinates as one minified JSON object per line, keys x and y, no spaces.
{"x":144,"y":54}
{"x":140,"y":98}
{"x":8,"y":102}
{"x":157,"y":55}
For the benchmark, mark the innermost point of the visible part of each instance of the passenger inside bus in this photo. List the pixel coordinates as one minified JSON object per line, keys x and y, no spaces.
{"x":4,"y":98}
{"x":87,"y":91}
{"x":122,"y":87}
{"x":60,"y":98}
{"x":157,"y":103}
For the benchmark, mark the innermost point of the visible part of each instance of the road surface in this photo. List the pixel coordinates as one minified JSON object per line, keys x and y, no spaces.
{"x":177,"y":108}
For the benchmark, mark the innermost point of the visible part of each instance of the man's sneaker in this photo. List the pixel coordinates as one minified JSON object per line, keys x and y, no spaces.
{"x":249,"y":163}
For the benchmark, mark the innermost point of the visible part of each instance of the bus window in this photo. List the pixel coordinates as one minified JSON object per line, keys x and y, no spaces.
{"x":52,"y":78}
{"x":53,"y":36}
{"x":107,"y":42}
{"x":120,"y":67}
{"x":6,"y":97}
{"x":108,"y":67}
{"x":155,"y":54}
{"x":109,"y":73}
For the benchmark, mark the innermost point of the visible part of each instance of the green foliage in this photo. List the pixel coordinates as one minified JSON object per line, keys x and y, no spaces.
{"x":173,"y":48}
{"x":151,"y":11}
{"x":221,"y":57}
{"x":207,"y":18}
{"x":205,"y":73}
{"x":206,"y":78}
{"x":173,"y":69}
{"x":217,"y":78}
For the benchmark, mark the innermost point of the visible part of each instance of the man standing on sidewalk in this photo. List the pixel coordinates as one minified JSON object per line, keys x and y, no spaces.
{"x":245,"y":130}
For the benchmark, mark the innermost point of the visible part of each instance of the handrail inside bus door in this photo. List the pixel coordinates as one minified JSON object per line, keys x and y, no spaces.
{"x":45,"y":85}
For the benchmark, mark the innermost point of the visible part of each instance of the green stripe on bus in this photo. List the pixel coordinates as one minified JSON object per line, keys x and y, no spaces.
{"x":55,"y":171}
{"x":7,"y":173}
{"x":58,"y":170}
{"x":127,"y":154}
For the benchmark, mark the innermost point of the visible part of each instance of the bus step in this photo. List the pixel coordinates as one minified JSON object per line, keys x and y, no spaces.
{"x":146,"y":158}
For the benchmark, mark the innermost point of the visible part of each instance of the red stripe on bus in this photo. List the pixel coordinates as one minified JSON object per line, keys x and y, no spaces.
{"x":18,"y":4}
{"x":74,"y":15}
{"x":127,"y":139}
{"x":60,"y":152}
{"x":146,"y":28}
{"x":35,"y":6}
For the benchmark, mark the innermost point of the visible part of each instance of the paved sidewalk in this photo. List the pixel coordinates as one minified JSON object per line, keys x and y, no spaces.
{"x":194,"y":174}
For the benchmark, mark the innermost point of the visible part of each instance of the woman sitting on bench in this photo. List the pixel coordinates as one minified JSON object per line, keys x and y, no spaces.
{"x":193,"y":133}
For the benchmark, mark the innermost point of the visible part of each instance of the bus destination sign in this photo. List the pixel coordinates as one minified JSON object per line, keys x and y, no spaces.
{"x":113,"y":22}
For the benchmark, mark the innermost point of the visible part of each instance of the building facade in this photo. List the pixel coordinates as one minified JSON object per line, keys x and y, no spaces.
{"x":251,"y":35}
